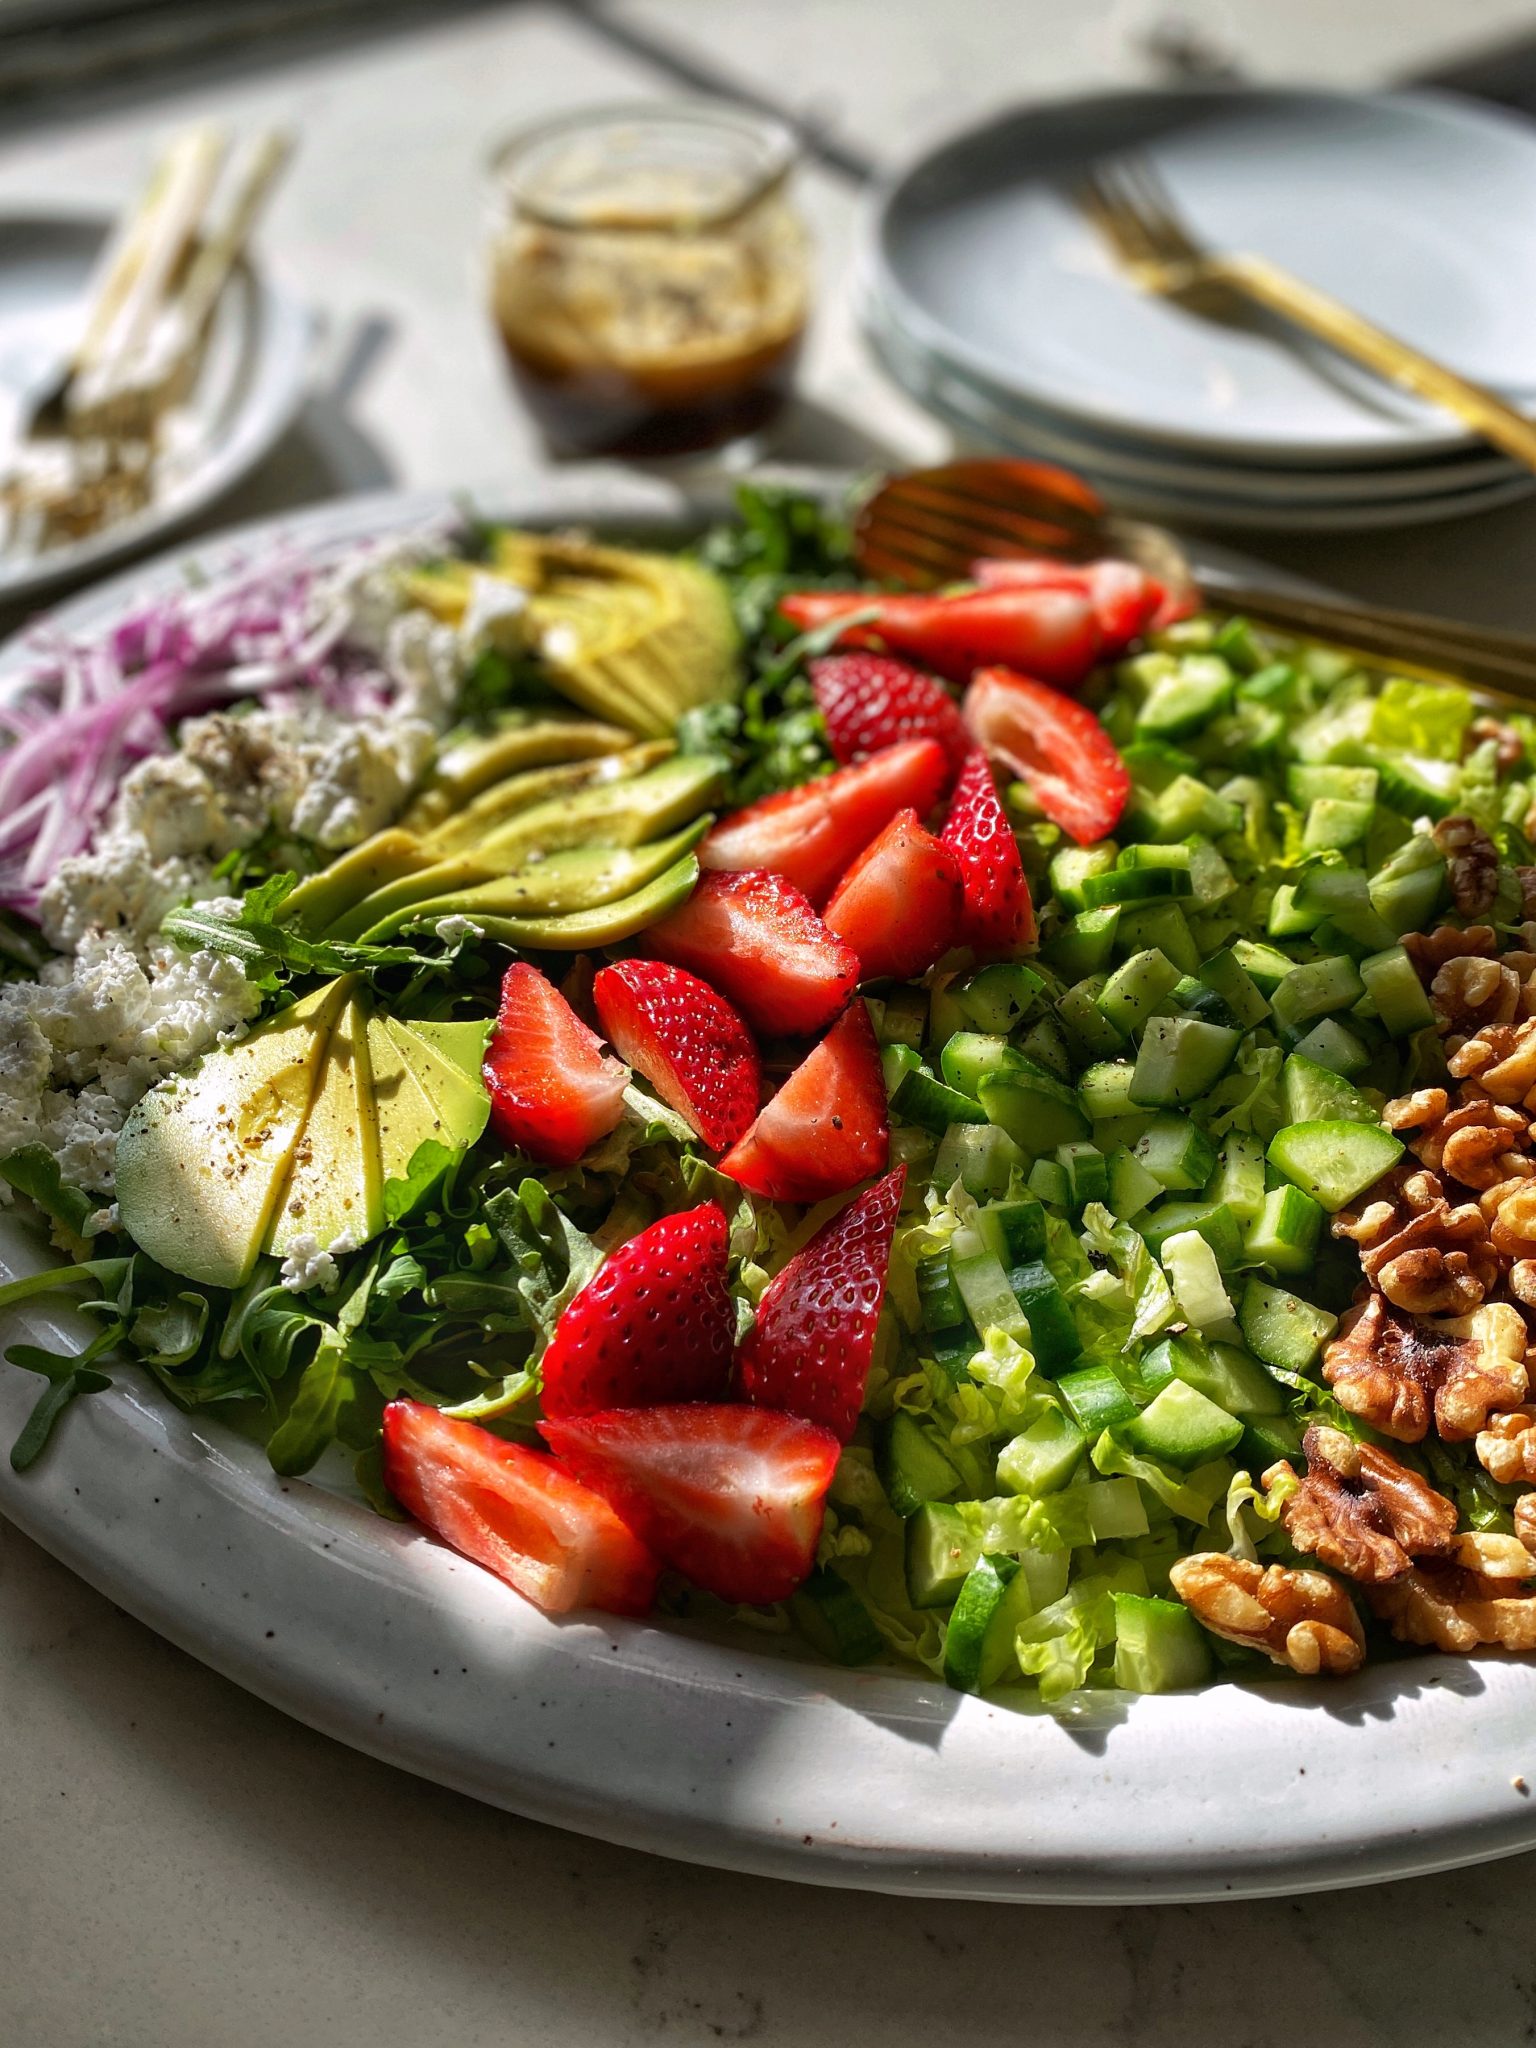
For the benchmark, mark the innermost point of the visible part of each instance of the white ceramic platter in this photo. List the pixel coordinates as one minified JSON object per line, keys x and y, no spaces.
{"x":247,"y":395}
{"x":746,"y":1754}
{"x":1412,"y":207}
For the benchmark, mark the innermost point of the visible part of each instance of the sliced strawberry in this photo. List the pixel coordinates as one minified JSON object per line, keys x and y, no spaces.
{"x":826,"y":1129}
{"x":811,"y":834}
{"x":1056,"y":745}
{"x":692,"y":1047}
{"x":656,"y":1322}
{"x":517,"y":1512}
{"x":998,"y":916}
{"x":729,"y":1495}
{"x":755,"y":936}
{"x":900,"y":905}
{"x":554,"y":1091}
{"x":869,"y":701}
{"x":810,"y":1348}
{"x":1124,"y":597}
{"x":1053,"y":632}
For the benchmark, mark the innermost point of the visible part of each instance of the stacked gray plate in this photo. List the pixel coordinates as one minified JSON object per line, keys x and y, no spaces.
{"x":993,"y":301}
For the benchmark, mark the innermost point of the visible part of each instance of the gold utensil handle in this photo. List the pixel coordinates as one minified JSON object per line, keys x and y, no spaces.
{"x":1347,"y":331}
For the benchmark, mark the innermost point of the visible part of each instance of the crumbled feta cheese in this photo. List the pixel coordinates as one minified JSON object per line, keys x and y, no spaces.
{"x":560,"y":642}
{"x":307,"y":1265}
{"x":120,"y":887}
{"x":422,"y":655}
{"x":362,"y":780}
{"x":493,"y":602}
{"x":458,"y":931}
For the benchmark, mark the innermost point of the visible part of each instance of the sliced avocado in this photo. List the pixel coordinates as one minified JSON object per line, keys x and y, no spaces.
{"x":406,"y":1111}
{"x":604,"y":926}
{"x":440,"y":878}
{"x":611,"y":814}
{"x":319,"y":900}
{"x":466,"y":766}
{"x":504,"y":800}
{"x":444,"y":1061}
{"x":334,"y":1188}
{"x":582,"y":878}
{"x":203,"y":1158}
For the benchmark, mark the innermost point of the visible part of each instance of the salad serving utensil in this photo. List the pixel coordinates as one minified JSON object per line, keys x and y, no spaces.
{"x":927,"y":526}
{"x":1127,"y":200}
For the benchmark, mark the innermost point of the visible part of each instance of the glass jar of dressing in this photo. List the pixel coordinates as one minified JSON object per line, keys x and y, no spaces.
{"x":649,"y":276}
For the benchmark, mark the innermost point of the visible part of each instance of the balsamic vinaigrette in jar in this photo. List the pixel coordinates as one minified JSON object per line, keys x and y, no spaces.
{"x":649,"y":278}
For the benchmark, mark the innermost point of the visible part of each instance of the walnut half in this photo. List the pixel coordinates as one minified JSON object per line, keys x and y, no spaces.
{"x":1361,"y":1511}
{"x":1449,"y":1608}
{"x":1396,"y":1371}
{"x":1421,"y":1253}
{"x":1300,"y":1618}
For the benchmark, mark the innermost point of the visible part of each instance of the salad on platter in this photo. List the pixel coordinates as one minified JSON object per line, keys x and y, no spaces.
{"x":991,"y":1128}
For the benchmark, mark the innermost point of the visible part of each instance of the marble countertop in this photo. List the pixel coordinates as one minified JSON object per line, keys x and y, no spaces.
{"x":180,"y":1866}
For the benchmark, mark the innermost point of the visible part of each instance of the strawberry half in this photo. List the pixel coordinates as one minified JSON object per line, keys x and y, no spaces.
{"x":1051,"y":631}
{"x":656,"y":1322}
{"x":515,"y":1511}
{"x":901,"y":903}
{"x":999,"y":916}
{"x":869,"y":701}
{"x":729,"y":1495}
{"x":810,"y":1348}
{"x":689,"y":1043}
{"x":826,"y":1129}
{"x":553,"y":1089}
{"x":758,"y":940}
{"x":1072,"y":766}
{"x":813,"y":833}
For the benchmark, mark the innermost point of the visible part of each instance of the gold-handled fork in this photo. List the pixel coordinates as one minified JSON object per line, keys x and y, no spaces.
{"x":1128,"y":201}
{"x":926,"y":527}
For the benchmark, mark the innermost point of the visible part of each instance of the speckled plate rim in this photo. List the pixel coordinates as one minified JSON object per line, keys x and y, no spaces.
{"x":736,"y":1754}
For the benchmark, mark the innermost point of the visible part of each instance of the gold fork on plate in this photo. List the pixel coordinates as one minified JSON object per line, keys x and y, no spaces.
{"x":1127,"y":200}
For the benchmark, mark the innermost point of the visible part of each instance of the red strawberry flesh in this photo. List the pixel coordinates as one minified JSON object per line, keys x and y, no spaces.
{"x":870,"y":701}
{"x":826,"y":1129}
{"x":810,"y":1348}
{"x":731,"y":1496}
{"x":553,"y":1089}
{"x":1056,"y":745}
{"x":755,"y":936}
{"x":901,"y":903}
{"x":687,"y":1041}
{"x":656,"y":1322}
{"x":998,"y":915}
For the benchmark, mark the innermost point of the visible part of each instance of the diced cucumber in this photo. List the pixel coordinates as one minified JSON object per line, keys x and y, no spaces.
{"x":1072,"y":866}
{"x":1240,"y":646}
{"x":1088,"y":1027}
{"x":1104,"y":1089}
{"x":1315,"y":990}
{"x":1280,"y":1328}
{"x":1183,"y":1427}
{"x":1268,"y":1438}
{"x":1195,"y":998}
{"x":1115,"y":1509}
{"x":1314,"y":1094}
{"x":1227,"y":1375}
{"x":1154,"y":857}
{"x":1086,"y":1170}
{"x":1020,"y":1224}
{"x":1213,"y":1220}
{"x":1046,"y":1044}
{"x":1195,"y":1278}
{"x":1406,"y":889}
{"x":1136,"y":988}
{"x":1037,"y":1111}
{"x":1179,"y":1059}
{"x":940,"y":1551}
{"x":1334,"y":823}
{"x":905,"y":1018}
{"x":1341,"y":894}
{"x":1416,"y":786}
{"x":1048,"y":1183}
{"x":1160,"y":927}
{"x":1052,"y":1335}
{"x":989,"y":1300}
{"x":1265,"y":966}
{"x":953,"y":1351}
{"x":912,"y":1465}
{"x":1136,"y":885}
{"x":1333,"y":1161}
{"x":1043,"y":1457}
{"x":1181,"y":703}
{"x":1159,"y":1646}
{"x":1000,"y":996}
{"x":920,"y":1099}
{"x":999,"y":1648}
{"x":1227,"y":978}
{"x":1306,"y":782}
{"x":1085,"y":944}
{"x":1096,"y":1398}
{"x":1392,"y":983}
{"x":980,"y":1156}
{"x":1285,"y":921}
{"x":967,"y":1055}
{"x":976,"y":1608}
{"x":1176,"y":1152}
{"x":896,"y":1062}
{"x":1333,"y":1045}
{"x":938,"y":1298}
{"x":834,"y":1620}
{"x":1238,"y":1184}
{"x":1131,"y":1187}
{"x":1284,"y":1234}
{"x":1274,"y":683}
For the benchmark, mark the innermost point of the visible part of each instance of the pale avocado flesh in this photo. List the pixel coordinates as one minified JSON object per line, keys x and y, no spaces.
{"x":465,"y":767}
{"x":613,"y":814}
{"x":319,"y":900}
{"x":503,"y":801}
{"x":293,"y":1132}
{"x":605,"y":926}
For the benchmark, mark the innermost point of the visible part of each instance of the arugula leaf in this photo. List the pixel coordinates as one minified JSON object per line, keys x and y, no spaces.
{"x":264,"y":949}
{"x":314,"y":1416}
{"x":54,"y":1399}
{"x":427,"y":1165}
{"x":170,"y":1332}
{"x":554,"y":1260}
{"x":34,"y":1171}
